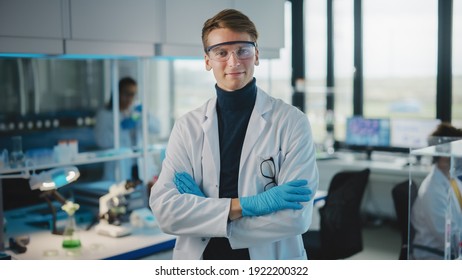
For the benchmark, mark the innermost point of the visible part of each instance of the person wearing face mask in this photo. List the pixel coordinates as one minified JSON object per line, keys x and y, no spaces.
{"x":129,"y":132}
{"x":431,"y":205}
{"x":240,"y":171}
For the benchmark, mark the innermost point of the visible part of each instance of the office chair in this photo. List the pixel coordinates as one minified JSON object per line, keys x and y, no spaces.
{"x":340,"y":234}
{"x":403,"y":194}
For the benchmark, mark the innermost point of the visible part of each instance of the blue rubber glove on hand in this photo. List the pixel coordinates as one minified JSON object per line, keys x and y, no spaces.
{"x":186,"y":184}
{"x":128,"y":123}
{"x":286,"y":196}
{"x":138,"y":108}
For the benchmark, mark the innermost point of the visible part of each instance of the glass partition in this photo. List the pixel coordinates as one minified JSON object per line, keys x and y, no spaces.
{"x":49,"y":114}
{"x":435,"y":215}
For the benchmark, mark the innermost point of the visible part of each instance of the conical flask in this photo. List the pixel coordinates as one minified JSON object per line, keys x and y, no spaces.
{"x":71,"y":237}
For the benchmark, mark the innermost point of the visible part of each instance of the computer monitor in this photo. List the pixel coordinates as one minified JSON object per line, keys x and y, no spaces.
{"x":367,"y":133}
{"x":412,"y":133}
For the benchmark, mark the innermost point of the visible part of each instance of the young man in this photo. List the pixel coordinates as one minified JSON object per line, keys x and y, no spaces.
{"x":240,"y":171}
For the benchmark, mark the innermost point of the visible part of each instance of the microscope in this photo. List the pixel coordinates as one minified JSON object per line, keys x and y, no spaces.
{"x":113,"y":210}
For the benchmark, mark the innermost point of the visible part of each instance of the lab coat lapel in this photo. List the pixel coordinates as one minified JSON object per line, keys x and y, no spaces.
{"x":211,"y":148}
{"x":256,"y":126}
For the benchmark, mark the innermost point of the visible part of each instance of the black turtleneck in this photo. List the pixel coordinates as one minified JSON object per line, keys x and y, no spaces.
{"x":233,"y":110}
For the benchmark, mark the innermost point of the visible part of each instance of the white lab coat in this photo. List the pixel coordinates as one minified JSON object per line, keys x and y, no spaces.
{"x":429,"y":210}
{"x":276,"y":130}
{"x":104,"y":137}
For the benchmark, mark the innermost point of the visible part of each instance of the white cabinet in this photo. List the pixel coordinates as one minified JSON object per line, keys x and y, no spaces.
{"x":31,"y":18}
{"x":268,"y":16}
{"x":185,"y":19}
{"x":183,"y":25}
{"x":116,"y":20}
{"x":31,"y":26}
{"x":97,"y":27}
{"x":112,"y":27}
{"x":127,"y":28}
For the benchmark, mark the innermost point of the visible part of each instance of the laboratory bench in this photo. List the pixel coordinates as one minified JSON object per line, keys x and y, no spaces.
{"x":148,"y":239}
{"x":27,"y":223}
{"x":387,"y":170}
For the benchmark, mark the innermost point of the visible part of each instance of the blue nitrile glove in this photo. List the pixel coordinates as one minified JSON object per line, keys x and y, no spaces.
{"x":286,"y":196}
{"x":136,"y":113}
{"x":138,"y":108}
{"x":128,"y":123}
{"x":186,"y":184}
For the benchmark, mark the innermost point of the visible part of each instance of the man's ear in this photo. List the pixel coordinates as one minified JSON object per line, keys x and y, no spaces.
{"x":257,"y":61}
{"x":208,"y":67}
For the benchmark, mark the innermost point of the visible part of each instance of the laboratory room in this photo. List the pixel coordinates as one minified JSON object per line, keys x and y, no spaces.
{"x":121,"y":139}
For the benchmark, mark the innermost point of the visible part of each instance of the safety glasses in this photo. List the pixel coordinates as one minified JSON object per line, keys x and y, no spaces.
{"x":221,"y":52}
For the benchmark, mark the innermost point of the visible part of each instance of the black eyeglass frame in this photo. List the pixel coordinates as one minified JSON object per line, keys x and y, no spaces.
{"x":273,"y":178}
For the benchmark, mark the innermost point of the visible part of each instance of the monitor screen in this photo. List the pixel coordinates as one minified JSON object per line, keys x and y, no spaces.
{"x":412,"y":133}
{"x":368,"y":132}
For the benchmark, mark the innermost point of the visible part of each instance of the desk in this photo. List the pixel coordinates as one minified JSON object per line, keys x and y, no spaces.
{"x":387,"y":170}
{"x":46,"y":246}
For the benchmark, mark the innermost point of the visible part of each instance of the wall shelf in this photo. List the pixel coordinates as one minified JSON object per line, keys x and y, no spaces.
{"x":83,"y":158}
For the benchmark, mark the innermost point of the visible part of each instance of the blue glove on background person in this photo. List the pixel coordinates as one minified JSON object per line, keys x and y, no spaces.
{"x":128,"y":123}
{"x":285,"y":196}
{"x":131,"y":121}
{"x":138,"y":108}
{"x":186,"y":184}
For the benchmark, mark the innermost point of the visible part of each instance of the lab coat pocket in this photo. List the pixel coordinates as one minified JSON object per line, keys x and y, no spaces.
{"x":268,"y":166}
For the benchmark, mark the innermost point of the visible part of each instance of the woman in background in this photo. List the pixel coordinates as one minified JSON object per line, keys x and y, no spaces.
{"x":129,"y":133}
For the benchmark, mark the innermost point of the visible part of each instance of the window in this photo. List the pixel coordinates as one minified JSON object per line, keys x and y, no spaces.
{"x":343,"y":65}
{"x":316,"y":55}
{"x":192,"y":85}
{"x":457,"y":64}
{"x":316,"y":65}
{"x":400,"y":58}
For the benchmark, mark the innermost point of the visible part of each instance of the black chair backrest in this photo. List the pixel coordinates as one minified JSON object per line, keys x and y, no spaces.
{"x":341,"y":224}
{"x":403,"y":194}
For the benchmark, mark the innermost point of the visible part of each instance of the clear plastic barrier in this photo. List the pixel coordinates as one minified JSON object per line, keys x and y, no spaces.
{"x":435,"y":212}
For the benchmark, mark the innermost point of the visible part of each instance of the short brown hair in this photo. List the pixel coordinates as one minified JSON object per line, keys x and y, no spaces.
{"x":126,"y":81}
{"x":447,"y":130}
{"x":444,"y":133}
{"x":231,"y":19}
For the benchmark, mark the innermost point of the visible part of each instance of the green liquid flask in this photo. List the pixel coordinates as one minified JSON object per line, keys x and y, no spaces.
{"x":70,"y":235}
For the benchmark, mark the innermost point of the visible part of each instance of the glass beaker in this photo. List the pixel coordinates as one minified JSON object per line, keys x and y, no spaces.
{"x":16,"y":155}
{"x":70,"y":235}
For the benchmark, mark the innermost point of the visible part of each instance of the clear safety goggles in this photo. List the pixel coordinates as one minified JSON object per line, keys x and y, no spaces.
{"x":221,"y":52}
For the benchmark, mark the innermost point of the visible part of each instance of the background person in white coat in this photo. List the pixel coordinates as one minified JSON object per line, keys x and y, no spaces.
{"x":240,"y":171}
{"x":431,"y":204}
{"x":129,"y":133}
